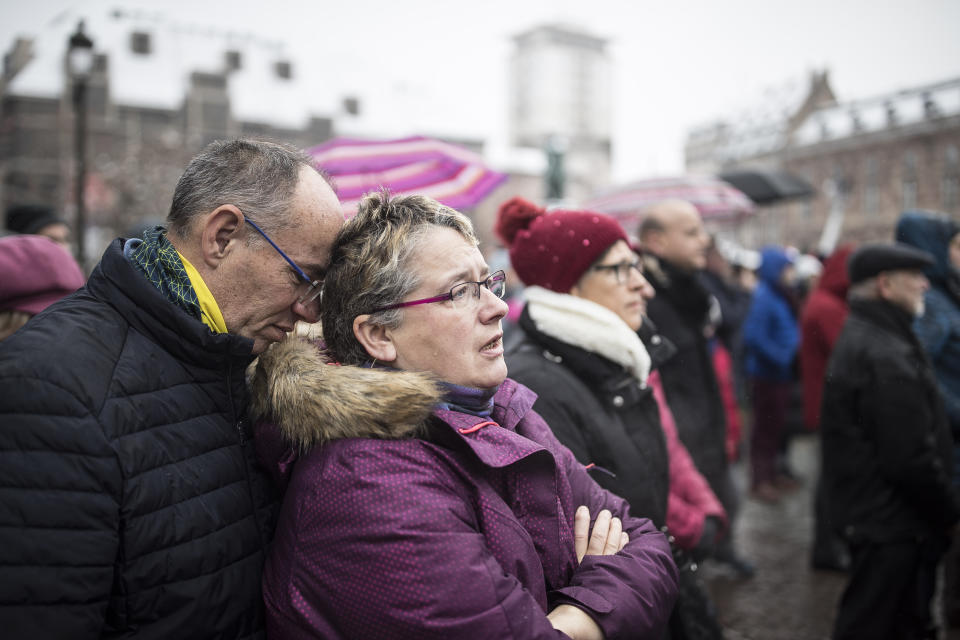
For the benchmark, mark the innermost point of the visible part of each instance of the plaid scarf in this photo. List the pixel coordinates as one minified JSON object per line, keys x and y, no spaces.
{"x":160,"y":263}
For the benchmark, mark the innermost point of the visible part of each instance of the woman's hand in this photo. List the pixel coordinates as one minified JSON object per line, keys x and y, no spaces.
{"x":606,"y":539}
{"x":575,"y":623}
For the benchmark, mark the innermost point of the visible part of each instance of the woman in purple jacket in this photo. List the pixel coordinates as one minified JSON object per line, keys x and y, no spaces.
{"x":426,"y":499}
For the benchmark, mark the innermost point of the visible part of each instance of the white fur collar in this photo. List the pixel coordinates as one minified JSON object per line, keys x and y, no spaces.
{"x":589,"y":326}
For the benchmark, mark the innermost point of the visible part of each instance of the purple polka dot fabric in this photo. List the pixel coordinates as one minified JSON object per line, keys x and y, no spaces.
{"x":471,"y":538}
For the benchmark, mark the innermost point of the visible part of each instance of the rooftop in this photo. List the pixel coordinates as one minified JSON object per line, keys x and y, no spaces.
{"x":152,"y":57}
{"x":902,"y":108}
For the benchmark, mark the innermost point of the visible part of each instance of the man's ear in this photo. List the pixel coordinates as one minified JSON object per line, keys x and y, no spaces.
{"x":885,"y":284}
{"x":375,"y":338}
{"x":221,"y":232}
{"x":652,"y":240}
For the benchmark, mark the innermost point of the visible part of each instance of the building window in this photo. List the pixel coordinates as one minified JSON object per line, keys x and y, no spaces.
{"x":234,"y":60}
{"x":140,"y":42}
{"x":950,"y":184}
{"x":909,"y":183}
{"x":871,"y":187}
{"x":283,"y":69}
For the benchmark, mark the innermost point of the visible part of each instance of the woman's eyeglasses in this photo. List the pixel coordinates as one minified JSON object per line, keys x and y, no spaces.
{"x":315,"y":287}
{"x":463,"y":295}
{"x":621,"y":269}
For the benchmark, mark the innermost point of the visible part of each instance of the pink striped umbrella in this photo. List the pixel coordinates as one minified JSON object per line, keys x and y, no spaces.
{"x":448,"y":173}
{"x":714,"y":199}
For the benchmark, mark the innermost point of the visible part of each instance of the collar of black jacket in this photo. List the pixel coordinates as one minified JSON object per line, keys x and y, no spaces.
{"x":884,"y":314}
{"x":604,"y":376}
{"x":658,"y":346}
{"x":680,"y":288}
{"x":121,"y":285}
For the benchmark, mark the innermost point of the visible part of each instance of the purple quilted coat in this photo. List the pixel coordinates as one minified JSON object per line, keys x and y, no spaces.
{"x":468,"y":534}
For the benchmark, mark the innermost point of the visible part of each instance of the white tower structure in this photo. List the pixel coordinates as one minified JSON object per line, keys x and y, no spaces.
{"x":561,"y":95}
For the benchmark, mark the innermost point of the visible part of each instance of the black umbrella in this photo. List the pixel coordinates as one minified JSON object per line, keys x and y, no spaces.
{"x":765,"y":186}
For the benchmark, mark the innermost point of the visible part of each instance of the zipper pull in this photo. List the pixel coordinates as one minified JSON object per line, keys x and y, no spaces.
{"x":242,"y":431}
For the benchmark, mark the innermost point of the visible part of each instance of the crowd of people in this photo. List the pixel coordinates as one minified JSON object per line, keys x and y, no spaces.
{"x":263,"y":420}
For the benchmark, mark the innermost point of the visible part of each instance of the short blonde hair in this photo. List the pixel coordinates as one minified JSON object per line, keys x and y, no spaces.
{"x":370,"y":265}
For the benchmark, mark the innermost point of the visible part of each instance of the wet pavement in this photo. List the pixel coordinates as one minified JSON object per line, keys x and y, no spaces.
{"x":786,"y":599}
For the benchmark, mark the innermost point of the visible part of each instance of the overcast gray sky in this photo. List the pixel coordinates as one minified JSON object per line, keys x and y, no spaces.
{"x":440,"y":66}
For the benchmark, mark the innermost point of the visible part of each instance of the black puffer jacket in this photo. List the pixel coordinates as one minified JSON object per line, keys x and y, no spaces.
{"x":131,"y":504}
{"x":600,"y":412}
{"x":887,"y":450}
{"x":680,"y":311}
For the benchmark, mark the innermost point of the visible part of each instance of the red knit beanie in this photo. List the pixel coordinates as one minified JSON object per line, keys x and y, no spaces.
{"x":553,"y":249}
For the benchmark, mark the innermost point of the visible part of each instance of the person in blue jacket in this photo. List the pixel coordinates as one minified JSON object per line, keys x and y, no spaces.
{"x":770,"y":341}
{"x":938,"y":330}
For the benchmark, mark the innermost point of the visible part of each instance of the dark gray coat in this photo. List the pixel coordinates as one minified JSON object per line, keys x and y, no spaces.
{"x":887,"y":450}
{"x":680,"y":311}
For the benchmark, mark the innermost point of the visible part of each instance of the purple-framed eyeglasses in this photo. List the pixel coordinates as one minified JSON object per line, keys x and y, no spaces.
{"x":460,"y":294}
{"x":315,"y":287}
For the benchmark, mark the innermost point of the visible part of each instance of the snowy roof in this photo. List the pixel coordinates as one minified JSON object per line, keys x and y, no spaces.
{"x":160,"y":79}
{"x":902,"y":108}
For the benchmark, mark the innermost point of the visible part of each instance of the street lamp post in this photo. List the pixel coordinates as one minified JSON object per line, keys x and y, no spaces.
{"x":80,"y":63}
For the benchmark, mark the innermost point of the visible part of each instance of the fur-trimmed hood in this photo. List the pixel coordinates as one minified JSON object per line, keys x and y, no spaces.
{"x":312,"y":401}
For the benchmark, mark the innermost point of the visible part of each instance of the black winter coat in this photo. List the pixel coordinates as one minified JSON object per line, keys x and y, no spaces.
{"x":601,"y":413}
{"x":680,"y":311}
{"x":887,"y":449}
{"x":132,"y":504}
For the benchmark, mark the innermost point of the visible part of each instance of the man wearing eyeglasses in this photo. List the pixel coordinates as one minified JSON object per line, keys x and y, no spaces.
{"x":132,"y":501}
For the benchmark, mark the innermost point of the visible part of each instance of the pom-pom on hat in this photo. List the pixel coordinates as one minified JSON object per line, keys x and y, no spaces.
{"x":552,"y":249}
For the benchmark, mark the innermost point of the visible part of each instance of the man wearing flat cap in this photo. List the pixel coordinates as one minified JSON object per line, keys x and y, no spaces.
{"x":887,"y":450}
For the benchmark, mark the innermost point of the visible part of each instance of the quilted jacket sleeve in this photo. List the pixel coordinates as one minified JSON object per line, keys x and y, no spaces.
{"x":59,"y":491}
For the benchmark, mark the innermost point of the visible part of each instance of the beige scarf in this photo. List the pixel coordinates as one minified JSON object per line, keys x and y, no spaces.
{"x":589,"y":326}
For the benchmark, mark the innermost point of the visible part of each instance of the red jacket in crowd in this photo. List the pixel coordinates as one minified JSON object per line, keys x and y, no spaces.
{"x":820,"y":324}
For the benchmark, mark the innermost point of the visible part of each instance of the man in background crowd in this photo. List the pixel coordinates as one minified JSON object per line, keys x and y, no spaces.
{"x":887,"y":451}
{"x":674,"y":245}
{"x":36,"y":219}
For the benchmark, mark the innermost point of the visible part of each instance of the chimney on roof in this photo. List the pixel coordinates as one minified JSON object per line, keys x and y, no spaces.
{"x":930,"y":108}
{"x":283,"y":69}
{"x":233,"y":59}
{"x":856,"y":120}
{"x":140,"y":43}
{"x":891,"y":113}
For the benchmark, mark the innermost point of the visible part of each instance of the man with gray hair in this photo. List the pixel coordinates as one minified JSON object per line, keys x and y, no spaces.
{"x":132,"y":500}
{"x":887,"y":450}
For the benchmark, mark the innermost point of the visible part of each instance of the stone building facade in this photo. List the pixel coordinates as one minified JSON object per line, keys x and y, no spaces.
{"x":159,"y":92}
{"x":868,"y":160}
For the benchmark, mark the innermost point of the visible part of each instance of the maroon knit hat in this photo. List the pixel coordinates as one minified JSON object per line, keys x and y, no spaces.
{"x":35,"y":272}
{"x":553,"y":249}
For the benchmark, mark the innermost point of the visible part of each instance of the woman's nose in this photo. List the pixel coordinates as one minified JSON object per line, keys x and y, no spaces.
{"x":491,"y":305}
